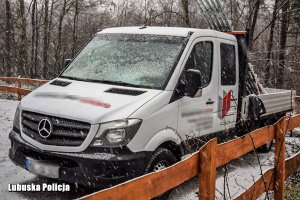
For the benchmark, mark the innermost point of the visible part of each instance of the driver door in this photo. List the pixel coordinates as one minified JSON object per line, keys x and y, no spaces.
{"x":196,"y":115}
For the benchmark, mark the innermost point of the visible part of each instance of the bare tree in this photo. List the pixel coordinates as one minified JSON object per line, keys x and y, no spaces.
{"x":59,"y":37}
{"x":75,"y":22}
{"x":45,"y":40}
{"x":283,"y":40}
{"x":57,"y":29}
{"x":185,"y":9}
{"x":8,"y":39}
{"x":270,"y":44}
{"x":33,"y":38}
{"x":254,"y":19}
{"x":23,"y":44}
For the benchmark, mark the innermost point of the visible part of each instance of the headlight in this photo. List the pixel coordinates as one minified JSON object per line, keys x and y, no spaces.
{"x":16,"y":125}
{"x":116,"y":133}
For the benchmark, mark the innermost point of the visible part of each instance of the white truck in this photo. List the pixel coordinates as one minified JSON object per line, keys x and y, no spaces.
{"x":139,"y":99}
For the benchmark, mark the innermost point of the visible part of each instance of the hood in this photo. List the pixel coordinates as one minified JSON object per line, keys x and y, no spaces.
{"x":85,"y":101}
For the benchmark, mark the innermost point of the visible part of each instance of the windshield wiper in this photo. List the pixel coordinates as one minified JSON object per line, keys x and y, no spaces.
{"x":72,"y":78}
{"x":103,"y":81}
{"x":119,"y":83}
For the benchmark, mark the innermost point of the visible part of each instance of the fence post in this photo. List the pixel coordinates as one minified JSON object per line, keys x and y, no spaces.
{"x":279,"y":169}
{"x":207,"y":174}
{"x":19,"y":87}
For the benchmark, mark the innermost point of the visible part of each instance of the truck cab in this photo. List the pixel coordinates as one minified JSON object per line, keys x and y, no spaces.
{"x":133,"y":101}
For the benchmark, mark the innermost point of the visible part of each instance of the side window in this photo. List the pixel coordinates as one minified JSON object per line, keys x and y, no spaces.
{"x":201,"y":58}
{"x":228,"y":64}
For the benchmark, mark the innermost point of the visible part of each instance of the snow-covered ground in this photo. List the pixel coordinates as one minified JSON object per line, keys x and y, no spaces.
{"x":240,"y":173}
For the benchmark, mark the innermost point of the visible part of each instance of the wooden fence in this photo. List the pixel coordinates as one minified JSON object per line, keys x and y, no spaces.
{"x":205,"y":162}
{"x":18,"y":83}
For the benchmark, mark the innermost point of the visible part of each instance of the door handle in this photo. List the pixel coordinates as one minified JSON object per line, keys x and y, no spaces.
{"x":209,"y":102}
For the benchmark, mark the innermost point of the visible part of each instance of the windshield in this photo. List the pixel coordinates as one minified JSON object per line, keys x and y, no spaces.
{"x":132,"y":60}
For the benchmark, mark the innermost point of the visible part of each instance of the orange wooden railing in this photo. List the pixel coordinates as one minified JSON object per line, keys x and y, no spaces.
{"x":205,"y":162}
{"x":18,"y":83}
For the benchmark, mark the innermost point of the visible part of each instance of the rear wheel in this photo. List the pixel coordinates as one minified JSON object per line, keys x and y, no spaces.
{"x":161,"y":159}
{"x":244,"y":129}
{"x":265,"y":148}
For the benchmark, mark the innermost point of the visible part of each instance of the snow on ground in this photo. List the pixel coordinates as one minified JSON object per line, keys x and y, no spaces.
{"x":240,"y":173}
{"x":9,"y":173}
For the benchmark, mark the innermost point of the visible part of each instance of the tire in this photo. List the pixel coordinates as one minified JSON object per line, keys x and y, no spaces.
{"x":266,"y":148}
{"x":160,"y":159}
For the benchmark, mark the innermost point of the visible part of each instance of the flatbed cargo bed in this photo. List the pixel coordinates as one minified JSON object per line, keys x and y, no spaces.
{"x":275,"y":101}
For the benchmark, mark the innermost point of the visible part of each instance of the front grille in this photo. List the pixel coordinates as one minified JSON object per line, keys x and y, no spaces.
{"x":65,"y":132}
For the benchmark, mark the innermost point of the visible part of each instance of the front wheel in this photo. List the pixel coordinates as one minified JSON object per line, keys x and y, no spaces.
{"x":161,"y":159}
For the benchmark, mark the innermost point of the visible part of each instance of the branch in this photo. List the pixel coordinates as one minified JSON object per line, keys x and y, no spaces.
{"x":272,"y":21}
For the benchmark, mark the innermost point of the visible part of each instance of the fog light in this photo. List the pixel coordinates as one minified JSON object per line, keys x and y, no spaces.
{"x":98,"y":143}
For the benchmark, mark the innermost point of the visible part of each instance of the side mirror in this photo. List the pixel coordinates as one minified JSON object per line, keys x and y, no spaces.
{"x":67,"y":62}
{"x":193,"y":83}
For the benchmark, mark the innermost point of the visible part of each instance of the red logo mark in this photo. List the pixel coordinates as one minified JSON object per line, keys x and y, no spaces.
{"x":94,"y":102}
{"x":226,"y":104}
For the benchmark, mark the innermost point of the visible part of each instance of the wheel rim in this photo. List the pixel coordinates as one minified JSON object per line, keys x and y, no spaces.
{"x":160,"y":166}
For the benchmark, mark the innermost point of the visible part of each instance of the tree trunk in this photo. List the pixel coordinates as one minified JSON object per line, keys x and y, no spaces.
{"x":8,"y":33}
{"x":283,"y":39}
{"x":75,"y":28}
{"x":37,"y":35}
{"x":254,"y":20}
{"x":58,"y":60}
{"x":33,"y":28}
{"x":145,"y":14}
{"x":45,"y":41}
{"x":270,"y":45}
{"x":51,"y":72}
{"x":22,"y":68}
{"x":185,"y":9}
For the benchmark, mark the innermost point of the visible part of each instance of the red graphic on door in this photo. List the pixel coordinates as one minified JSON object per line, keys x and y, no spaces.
{"x":226,"y":104}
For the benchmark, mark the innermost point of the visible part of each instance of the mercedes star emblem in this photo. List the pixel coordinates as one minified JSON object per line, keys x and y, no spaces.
{"x":45,"y":128}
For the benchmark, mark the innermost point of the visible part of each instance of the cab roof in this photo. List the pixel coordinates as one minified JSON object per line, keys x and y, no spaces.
{"x":170,"y":31}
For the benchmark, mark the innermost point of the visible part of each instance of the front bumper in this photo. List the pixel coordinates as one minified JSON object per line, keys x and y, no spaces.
{"x":95,"y":167}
